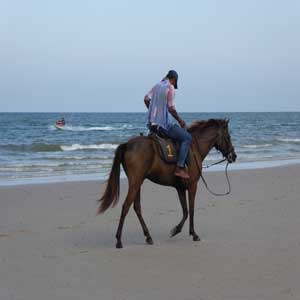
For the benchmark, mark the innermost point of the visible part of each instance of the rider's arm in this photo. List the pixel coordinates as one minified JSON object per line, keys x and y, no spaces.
{"x":174,"y":113}
{"x":172,"y":109}
{"x":148,"y":97}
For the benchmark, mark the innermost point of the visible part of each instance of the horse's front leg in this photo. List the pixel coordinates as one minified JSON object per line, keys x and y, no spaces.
{"x":182,"y":198}
{"x":192,"y":194}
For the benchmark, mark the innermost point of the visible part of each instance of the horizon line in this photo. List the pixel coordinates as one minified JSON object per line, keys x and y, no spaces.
{"x":130,"y":112}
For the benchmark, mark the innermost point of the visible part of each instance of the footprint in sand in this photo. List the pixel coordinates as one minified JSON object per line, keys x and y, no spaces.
{"x":65,"y":227}
{"x":4,"y":235}
{"x":12,"y":234}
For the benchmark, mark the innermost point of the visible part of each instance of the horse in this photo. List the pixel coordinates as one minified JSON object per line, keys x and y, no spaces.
{"x":141,"y":160}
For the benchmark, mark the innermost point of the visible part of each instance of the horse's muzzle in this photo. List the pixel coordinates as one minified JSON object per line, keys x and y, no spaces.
{"x":231,"y":157}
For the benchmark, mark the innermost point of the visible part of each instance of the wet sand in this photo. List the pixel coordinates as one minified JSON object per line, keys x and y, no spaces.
{"x":53,"y":246}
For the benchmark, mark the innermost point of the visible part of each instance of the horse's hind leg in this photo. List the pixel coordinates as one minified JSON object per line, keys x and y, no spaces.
{"x":137,"y":209}
{"x":192,"y":195}
{"x":131,"y":196}
{"x":182,"y":198}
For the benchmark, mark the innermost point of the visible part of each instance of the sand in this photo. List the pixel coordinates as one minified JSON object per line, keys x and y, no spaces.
{"x":53,"y":246}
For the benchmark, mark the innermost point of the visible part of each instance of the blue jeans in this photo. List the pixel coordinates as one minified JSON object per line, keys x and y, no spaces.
{"x":181,"y":135}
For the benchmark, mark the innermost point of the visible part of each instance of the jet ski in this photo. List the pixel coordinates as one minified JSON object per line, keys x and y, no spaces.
{"x":60,"y":124}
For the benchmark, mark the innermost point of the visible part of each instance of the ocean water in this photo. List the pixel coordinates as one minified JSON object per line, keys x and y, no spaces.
{"x":32,"y":150}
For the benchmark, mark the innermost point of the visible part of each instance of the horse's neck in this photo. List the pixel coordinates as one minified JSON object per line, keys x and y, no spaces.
{"x":205,"y":142}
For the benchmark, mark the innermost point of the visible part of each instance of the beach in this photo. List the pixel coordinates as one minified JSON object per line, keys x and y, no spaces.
{"x":53,"y":246}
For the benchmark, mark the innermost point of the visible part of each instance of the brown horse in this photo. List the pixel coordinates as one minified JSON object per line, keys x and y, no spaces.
{"x":140,"y":160}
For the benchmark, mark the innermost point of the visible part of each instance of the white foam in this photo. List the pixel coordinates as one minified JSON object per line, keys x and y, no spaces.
{"x":95,"y":128}
{"x":256,"y":146}
{"x":84,"y":147}
{"x":289,"y":140}
{"x":52,"y":127}
{"x":82,"y":128}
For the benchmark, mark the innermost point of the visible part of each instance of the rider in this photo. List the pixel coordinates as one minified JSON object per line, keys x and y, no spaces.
{"x":61,"y":122}
{"x":160,"y":104}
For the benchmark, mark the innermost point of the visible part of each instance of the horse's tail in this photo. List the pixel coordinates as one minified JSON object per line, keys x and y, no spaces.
{"x":112,"y":190}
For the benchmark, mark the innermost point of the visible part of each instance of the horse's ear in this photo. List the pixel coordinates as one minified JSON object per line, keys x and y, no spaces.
{"x":227,"y":121}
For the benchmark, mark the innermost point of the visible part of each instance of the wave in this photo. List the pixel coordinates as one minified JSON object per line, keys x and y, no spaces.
{"x":273,"y":142}
{"x":82,"y":128}
{"x":34,"y":168}
{"x":257,"y":146}
{"x":289,"y":140}
{"x":55,"y":148}
{"x":90,"y":147}
{"x":40,"y":147}
{"x":83,"y":157}
{"x":95,"y":128}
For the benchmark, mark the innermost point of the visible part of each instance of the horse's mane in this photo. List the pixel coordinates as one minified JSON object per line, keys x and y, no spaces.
{"x":204,"y":124}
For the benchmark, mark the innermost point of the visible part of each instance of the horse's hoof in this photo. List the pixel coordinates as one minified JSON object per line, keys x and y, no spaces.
{"x":196,"y":238}
{"x":119,"y":245}
{"x":175,"y":231}
{"x":149,"y":241}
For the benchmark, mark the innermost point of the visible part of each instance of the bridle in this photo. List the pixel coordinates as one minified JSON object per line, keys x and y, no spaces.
{"x":223,"y":140}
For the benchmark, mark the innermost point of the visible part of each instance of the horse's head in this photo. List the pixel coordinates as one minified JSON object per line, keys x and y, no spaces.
{"x":223,"y":142}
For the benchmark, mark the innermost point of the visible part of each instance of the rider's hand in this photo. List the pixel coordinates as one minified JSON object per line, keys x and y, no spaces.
{"x":182,"y":123}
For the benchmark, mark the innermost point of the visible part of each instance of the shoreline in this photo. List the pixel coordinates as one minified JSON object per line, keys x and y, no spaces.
{"x":239,"y":166}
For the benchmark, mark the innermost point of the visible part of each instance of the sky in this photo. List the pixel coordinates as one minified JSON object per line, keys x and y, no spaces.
{"x":103,"y":56}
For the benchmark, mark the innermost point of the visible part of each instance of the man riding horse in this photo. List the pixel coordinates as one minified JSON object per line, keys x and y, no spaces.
{"x":160,"y":104}
{"x":140,"y":159}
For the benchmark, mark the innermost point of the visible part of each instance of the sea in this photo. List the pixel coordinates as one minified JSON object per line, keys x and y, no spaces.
{"x":32,"y":150}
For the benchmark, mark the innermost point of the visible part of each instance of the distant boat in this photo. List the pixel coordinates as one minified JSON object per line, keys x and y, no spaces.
{"x":60,"y":124}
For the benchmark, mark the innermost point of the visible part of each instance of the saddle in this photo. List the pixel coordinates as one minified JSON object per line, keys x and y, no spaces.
{"x":168,"y":149}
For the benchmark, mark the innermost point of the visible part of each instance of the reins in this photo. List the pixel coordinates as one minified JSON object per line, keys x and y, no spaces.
{"x":208,"y":166}
{"x":227,"y":178}
{"x":213,"y":164}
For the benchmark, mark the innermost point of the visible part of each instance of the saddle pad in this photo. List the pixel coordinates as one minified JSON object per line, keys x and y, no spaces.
{"x":167,"y":148}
